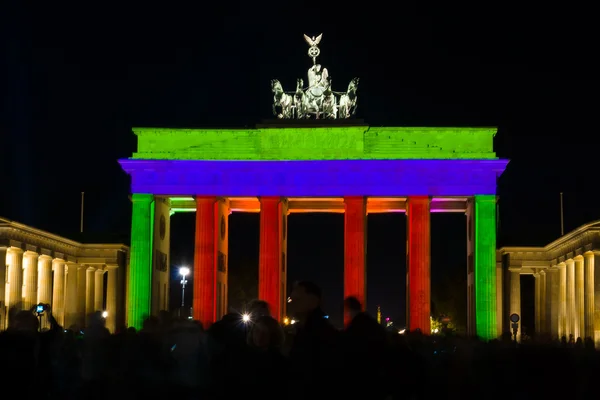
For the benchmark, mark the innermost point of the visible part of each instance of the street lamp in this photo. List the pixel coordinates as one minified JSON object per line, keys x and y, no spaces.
{"x":183,"y":271}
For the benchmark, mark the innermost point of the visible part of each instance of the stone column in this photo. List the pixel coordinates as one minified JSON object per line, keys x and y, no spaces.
{"x":553,"y":293}
{"x":44,"y":284}
{"x":3,"y":291}
{"x":537,"y":303}
{"x":515,"y":295}
{"x":355,"y":249}
{"x":205,"y":263}
{"x":58,"y":291}
{"x":111,"y":298}
{"x":71,"y":295}
{"x":589,"y":298}
{"x":269,"y":263}
{"x":90,"y":292}
{"x":139,"y":283}
{"x":81,"y":295}
{"x":543,"y":291}
{"x":571,"y":310}
{"x":418,"y":271}
{"x":579,"y":298}
{"x":30,"y":279}
{"x":562,"y":300}
{"x":14,"y":261}
{"x":99,"y":290}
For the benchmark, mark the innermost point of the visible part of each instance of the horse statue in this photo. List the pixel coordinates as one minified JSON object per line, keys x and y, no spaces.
{"x":299,"y":100}
{"x":282,"y":102}
{"x":329,"y":103}
{"x":348,"y":100}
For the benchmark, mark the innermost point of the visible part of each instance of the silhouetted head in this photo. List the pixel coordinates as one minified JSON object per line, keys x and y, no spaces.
{"x":259,"y":308}
{"x":352,"y":306}
{"x":306,"y":297}
{"x":266,"y":333}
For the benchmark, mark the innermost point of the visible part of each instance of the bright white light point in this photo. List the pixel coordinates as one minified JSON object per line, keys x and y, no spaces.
{"x":245,"y":318}
{"x":104,"y":314}
{"x":184,"y":271}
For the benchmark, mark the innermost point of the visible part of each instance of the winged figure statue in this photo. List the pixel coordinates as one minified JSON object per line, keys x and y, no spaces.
{"x":313,"y":41}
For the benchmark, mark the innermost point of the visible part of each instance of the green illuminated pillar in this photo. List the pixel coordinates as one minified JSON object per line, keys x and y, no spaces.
{"x":139,"y":294}
{"x":485,"y":266}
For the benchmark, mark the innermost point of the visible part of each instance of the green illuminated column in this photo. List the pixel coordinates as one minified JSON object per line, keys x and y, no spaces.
{"x":139,"y":294}
{"x":485,"y":266}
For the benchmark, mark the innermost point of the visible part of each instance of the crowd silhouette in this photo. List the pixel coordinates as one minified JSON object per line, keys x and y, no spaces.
{"x":237,"y":359}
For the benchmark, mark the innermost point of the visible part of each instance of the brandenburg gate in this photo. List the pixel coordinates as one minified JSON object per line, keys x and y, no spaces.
{"x":315,"y":159}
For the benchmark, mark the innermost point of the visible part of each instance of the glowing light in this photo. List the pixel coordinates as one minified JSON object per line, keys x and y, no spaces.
{"x":184,"y":271}
{"x":402,"y":331}
{"x":293,"y":321}
{"x":104,"y":314}
{"x":286,"y":321}
{"x":246,"y":318}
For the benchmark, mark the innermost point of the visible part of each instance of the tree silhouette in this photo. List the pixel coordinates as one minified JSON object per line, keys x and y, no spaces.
{"x":449,"y":298}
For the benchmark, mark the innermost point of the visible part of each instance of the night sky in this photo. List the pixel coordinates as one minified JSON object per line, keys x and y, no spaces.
{"x":74,"y":82}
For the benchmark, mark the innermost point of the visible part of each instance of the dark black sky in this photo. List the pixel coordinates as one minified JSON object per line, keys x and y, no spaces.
{"x":76,"y":79}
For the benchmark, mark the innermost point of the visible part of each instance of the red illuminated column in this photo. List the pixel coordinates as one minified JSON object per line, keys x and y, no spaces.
{"x":355,"y":228}
{"x":270,"y":254}
{"x":418,"y":273}
{"x":205,"y":263}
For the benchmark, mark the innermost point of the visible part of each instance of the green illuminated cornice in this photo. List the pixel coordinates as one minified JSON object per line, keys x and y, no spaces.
{"x":312,"y":143}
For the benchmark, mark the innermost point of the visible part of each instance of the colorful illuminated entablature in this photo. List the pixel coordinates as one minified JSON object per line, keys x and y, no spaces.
{"x":310,"y":141}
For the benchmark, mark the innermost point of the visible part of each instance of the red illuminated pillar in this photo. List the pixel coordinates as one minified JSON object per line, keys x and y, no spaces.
{"x":418,"y":273}
{"x":205,"y":263}
{"x":355,"y":228}
{"x":270,"y":287}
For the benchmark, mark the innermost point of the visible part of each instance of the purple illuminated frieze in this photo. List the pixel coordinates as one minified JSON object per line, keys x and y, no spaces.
{"x":315,"y":178}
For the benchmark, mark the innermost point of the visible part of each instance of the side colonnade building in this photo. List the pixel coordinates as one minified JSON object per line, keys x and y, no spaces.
{"x":311,"y":166}
{"x":75,"y":279}
{"x":567,"y":283}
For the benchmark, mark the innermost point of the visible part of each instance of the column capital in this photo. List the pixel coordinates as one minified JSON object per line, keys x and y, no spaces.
{"x":578,"y":258}
{"x":13,"y":249}
{"x":30,"y":253}
{"x":561,"y":265}
{"x":570,"y":261}
{"x":72,"y":264}
{"x":543,"y":272}
{"x":91,"y":268}
{"x":111,"y":266}
{"x":44,"y":257}
{"x":536,"y":275}
{"x":588,"y":254}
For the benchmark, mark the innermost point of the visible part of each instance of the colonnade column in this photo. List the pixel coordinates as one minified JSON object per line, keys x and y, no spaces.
{"x":543,"y":291}
{"x":139,"y":288}
{"x":44,"y":294}
{"x":537,"y":302}
{"x":205,"y":263}
{"x":571,"y":310}
{"x":3,"y":278}
{"x":111,"y":297}
{"x":553,"y":296}
{"x":99,"y":290}
{"x":30,"y":279}
{"x":355,"y":249}
{"x":418,"y":271}
{"x":579,"y":297}
{"x":90,"y":278}
{"x":71,"y":317}
{"x":58,"y":291}
{"x":14,"y":283}
{"x":81,"y":295}
{"x":589,"y":295}
{"x":562,"y":300}
{"x":484,"y":265}
{"x":273,"y":213}
{"x":515,"y":295}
